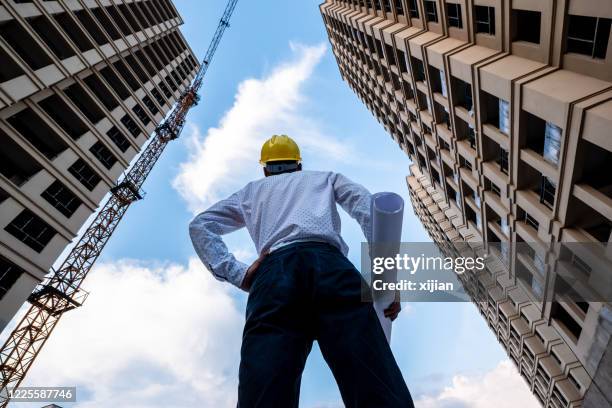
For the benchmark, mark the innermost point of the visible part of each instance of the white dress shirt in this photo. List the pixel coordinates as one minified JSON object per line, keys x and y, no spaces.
{"x":279,"y":210}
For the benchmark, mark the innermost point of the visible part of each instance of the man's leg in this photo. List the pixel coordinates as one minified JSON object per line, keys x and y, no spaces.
{"x":275,"y":342}
{"x":353,"y":343}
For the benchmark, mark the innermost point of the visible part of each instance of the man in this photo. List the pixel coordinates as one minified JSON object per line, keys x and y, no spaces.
{"x":302,"y":287}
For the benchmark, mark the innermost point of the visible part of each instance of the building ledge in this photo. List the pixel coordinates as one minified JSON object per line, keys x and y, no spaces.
{"x":538,"y":162}
{"x":594,"y":199}
{"x":496,"y":135}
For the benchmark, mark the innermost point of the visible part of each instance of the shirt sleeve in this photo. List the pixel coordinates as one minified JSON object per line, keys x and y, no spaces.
{"x":206,"y":230}
{"x":356,"y":200}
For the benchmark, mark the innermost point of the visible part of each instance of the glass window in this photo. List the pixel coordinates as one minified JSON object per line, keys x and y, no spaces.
{"x":588,"y":36}
{"x":485,"y":19}
{"x":60,"y":197}
{"x":453,"y":12}
{"x":85,"y":174}
{"x":31,"y":230}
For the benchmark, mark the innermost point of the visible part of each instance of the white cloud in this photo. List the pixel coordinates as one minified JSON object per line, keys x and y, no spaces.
{"x":148,"y":336}
{"x":501,"y":387}
{"x":227,"y":155}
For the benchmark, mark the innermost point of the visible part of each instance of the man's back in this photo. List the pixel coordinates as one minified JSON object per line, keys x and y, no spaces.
{"x":279,"y":210}
{"x":298,"y":206}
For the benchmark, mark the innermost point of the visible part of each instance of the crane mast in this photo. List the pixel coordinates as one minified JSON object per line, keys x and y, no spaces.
{"x":61,"y":290}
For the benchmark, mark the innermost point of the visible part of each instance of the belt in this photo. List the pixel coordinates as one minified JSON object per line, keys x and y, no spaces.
{"x":302,"y":244}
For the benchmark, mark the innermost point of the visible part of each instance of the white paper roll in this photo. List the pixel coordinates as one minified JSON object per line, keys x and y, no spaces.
{"x":387,"y":215}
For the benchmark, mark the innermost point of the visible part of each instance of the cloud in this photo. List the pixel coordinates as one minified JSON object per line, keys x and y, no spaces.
{"x":148,"y":336}
{"x":501,"y":387}
{"x":226,"y":155}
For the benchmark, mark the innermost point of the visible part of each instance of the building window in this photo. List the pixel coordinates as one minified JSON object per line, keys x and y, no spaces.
{"x":495,"y":189}
{"x":471,"y":137}
{"x":485,"y":19}
{"x":31,"y":230}
{"x":9,"y":273}
{"x":504,"y":116}
{"x":105,"y":23}
{"x":431,"y":11}
{"x":9,"y":68}
{"x":85,"y":103}
{"x":503,"y":160}
{"x":444,"y":118}
{"x":387,"y":6}
{"x":85,"y":174}
{"x":127,"y":76}
{"x":117,"y":137}
{"x":116,"y":17}
{"x":136,"y":68}
{"x":547,"y":192}
{"x":15,"y":163}
{"x":64,"y":116}
{"x":158,"y":97}
{"x":23,"y":44}
{"x":101,"y":91}
{"x":588,"y":36}
{"x":150,"y":105}
{"x":75,"y":34}
{"x":463,"y":162}
{"x":60,"y":197}
{"x":580,"y":264}
{"x":91,"y":27}
{"x":418,"y":69}
{"x":142,"y":115}
{"x":399,"y":8}
{"x":453,"y":12}
{"x":37,"y":132}
{"x":174,"y":86}
{"x":467,"y":97}
{"x":413,"y":9}
{"x":529,"y":220}
{"x":526,"y":25}
{"x":115,"y":83}
{"x":462,"y":94}
{"x":566,"y":320}
{"x":106,"y":157}
{"x":165,"y":89}
{"x":3,"y":196}
{"x":130,"y":125}
{"x":51,"y":37}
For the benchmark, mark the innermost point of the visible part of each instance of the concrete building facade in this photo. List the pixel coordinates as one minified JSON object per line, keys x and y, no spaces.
{"x":82,"y":86}
{"x":504,"y":108}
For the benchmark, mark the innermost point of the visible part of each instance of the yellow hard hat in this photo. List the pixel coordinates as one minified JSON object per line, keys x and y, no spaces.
{"x":279,"y":148}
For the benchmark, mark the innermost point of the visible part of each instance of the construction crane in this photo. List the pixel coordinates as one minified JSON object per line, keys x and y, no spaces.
{"x":61,"y":290}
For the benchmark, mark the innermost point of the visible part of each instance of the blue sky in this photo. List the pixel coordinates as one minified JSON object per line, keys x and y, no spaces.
{"x":156,"y":322}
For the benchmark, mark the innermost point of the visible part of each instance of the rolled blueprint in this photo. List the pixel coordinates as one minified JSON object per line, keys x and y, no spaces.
{"x":387,"y":211}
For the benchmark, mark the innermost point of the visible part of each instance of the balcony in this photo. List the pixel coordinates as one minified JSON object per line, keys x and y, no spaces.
{"x":594,"y":186}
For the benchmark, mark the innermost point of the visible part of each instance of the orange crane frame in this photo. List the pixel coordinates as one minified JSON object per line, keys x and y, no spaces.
{"x":61,"y":290}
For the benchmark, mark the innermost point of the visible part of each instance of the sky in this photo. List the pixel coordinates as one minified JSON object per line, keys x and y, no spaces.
{"x":159,"y":331}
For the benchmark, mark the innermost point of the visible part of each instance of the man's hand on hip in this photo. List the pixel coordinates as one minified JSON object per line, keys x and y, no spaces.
{"x":250,"y":273}
{"x":392,"y":311}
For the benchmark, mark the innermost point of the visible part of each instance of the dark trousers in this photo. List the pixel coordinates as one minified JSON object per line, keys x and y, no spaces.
{"x":306,"y":292}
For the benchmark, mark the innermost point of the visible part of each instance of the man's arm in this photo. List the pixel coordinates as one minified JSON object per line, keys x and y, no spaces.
{"x":206,"y":230}
{"x":356,"y":200}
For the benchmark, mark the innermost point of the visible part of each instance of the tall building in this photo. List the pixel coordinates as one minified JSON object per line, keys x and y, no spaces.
{"x":82,"y":87}
{"x":505,"y":109}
